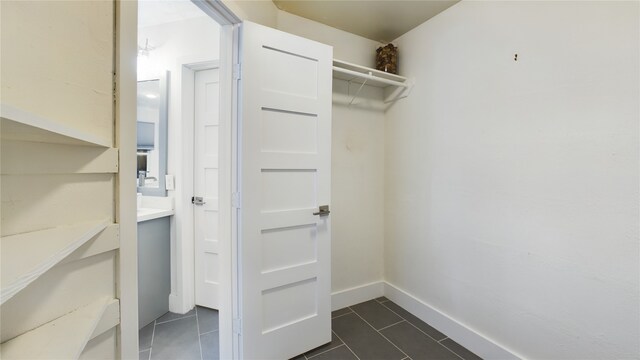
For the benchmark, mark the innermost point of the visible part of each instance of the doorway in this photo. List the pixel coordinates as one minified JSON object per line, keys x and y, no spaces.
{"x":181,"y":38}
{"x":244,"y":220}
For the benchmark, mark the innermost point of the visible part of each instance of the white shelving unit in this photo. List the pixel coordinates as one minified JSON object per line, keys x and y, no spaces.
{"x":25,"y":257}
{"x":350,"y":72}
{"x":21,"y":125}
{"x":53,"y":341}
{"x":396,"y":86}
{"x":60,"y":238}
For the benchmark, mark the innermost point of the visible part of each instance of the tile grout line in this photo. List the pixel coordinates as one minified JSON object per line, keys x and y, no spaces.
{"x":326,"y":351}
{"x":153,"y":334}
{"x":180,"y":318}
{"x":394,"y":344}
{"x":453,"y":352}
{"x":345,"y":344}
{"x":437,"y":341}
{"x":374,"y":329}
{"x":396,"y":323}
{"x":198,"y":330}
{"x":410,"y":323}
{"x":341,"y":315}
{"x":209,"y":332}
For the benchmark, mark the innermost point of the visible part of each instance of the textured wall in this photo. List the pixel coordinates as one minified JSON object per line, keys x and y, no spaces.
{"x":512,"y":186}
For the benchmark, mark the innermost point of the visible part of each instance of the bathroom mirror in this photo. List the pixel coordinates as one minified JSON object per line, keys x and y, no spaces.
{"x":152,"y":136}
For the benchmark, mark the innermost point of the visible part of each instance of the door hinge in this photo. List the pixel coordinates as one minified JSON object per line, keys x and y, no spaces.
{"x":115,"y":88}
{"x":235,"y":200}
{"x":237,"y":326}
{"x":237,"y":71}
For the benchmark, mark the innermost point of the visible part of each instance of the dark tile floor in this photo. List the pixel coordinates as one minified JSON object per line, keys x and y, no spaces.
{"x":373,"y":330}
{"x":381,"y":330}
{"x":192,"y":336}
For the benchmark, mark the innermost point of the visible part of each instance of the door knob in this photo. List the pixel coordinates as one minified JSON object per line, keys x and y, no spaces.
{"x":323,"y":210}
{"x":197,"y":200}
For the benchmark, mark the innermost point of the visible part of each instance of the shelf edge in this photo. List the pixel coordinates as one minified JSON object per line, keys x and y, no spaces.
{"x":363,"y":69}
{"x":81,"y":322}
{"x":26,"y":118}
{"x":110,"y":318}
{"x":23,"y":280}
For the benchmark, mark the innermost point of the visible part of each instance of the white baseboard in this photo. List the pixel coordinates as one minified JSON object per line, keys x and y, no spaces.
{"x":470,"y":339}
{"x":355,"y":295}
{"x":176,"y":305}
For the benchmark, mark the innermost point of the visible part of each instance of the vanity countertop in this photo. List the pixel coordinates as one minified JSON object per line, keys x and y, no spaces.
{"x":154,"y":207}
{"x":145,"y":214}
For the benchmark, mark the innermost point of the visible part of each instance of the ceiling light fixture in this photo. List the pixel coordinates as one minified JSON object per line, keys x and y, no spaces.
{"x":144,"y":51}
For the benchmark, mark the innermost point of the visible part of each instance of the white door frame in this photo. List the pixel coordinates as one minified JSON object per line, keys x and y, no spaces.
{"x":182,"y":298}
{"x":126,"y":49}
{"x":229,"y":41}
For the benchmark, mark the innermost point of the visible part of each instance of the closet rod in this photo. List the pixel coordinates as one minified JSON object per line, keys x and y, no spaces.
{"x":369,"y":76}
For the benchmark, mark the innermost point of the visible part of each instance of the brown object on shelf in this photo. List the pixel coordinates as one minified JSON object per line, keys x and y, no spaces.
{"x":387,"y":59}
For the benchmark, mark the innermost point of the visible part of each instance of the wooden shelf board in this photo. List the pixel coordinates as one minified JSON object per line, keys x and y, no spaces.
{"x":107,"y":240}
{"x":110,"y":318}
{"x":26,"y":158}
{"x":62,"y":338}
{"x":17,"y":124}
{"x":25,"y":257}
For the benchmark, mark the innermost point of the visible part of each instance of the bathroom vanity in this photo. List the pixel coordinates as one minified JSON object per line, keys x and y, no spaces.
{"x":154,"y":207}
{"x":154,"y":258}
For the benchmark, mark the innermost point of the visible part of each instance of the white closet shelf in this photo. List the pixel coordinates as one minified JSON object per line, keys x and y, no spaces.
{"x":18,"y":124}
{"x":62,"y":338}
{"x":110,"y":318}
{"x":27,"y":256}
{"x":355,"y":73}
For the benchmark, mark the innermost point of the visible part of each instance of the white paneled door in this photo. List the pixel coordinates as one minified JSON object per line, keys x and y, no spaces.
{"x":206,"y":215}
{"x":284,"y":172}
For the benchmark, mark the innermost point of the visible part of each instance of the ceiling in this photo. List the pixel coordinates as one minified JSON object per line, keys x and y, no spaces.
{"x":379,"y":20}
{"x":156,"y":12}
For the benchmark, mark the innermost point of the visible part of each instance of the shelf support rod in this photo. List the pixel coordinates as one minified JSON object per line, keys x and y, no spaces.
{"x":357,"y":92}
{"x":401,"y":93}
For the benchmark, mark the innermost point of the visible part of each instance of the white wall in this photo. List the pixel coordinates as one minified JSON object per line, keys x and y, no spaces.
{"x":512,"y":187}
{"x":263,"y":12}
{"x":357,"y":187}
{"x":176,"y":43}
{"x":346,"y":46}
{"x":173,"y":41}
{"x":357,"y":169}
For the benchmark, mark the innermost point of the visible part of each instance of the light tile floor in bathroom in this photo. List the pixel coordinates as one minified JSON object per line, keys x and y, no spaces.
{"x":192,"y":336}
{"x":373,"y":330}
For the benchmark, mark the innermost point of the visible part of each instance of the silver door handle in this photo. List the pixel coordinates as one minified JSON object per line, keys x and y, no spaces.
{"x":323,"y":210}
{"x":197,"y":200}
